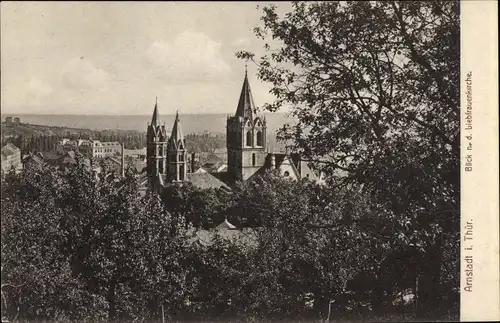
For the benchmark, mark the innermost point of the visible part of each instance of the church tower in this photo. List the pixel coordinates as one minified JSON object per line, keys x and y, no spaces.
{"x":156,"y":147}
{"x":246,"y":137}
{"x":177,"y":154}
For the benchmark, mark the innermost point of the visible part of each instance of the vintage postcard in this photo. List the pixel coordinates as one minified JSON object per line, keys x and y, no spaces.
{"x":302,"y":161}
{"x":479,"y":272}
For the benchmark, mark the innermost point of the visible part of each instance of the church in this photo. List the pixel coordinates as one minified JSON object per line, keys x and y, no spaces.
{"x":248,"y":154}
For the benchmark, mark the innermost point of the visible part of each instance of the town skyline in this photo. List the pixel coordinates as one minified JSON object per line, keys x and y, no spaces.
{"x":88,"y":58}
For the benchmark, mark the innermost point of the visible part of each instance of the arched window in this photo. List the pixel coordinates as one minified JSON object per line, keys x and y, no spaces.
{"x":253,"y":159}
{"x":260,"y":139}
{"x":249,"y":138}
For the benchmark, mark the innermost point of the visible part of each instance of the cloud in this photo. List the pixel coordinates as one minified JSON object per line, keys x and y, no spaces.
{"x":38,"y":89}
{"x":25,"y":92}
{"x":190,"y":57}
{"x":81,"y":75}
{"x":241,"y":42}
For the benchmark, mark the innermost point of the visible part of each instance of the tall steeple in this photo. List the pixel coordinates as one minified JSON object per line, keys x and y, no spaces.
{"x":156,"y":146}
{"x":246,"y":106}
{"x":245,"y":137}
{"x":156,"y":117}
{"x":176,"y":129}
{"x":176,"y":140}
{"x":177,"y":154}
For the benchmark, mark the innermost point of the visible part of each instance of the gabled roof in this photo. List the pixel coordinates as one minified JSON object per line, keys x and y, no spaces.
{"x":33,"y":159}
{"x":114,"y":160}
{"x":303,"y":167}
{"x":138,"y":165}
{"x":299,"y":167}
{"x":288,"y":161}
{"x":206,"y":180}
{"x":49,"y":155}
{"x":246,"y":107}
{"x":225,"y":225}
{"x":70,"y":158}
{"x":212,"y":159}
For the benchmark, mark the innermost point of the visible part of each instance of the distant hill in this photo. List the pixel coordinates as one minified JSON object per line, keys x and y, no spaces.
{"x":191,"y":123}
{"x":27,"y":129}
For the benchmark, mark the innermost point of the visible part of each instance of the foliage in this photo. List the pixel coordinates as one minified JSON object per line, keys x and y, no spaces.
{"x":110,"y":253}
{"x":202,"y":208}
{"x":197,"y":143}
{"x":87,"y":247}
{"x":375,"y":88}
{"x":48,"y":142}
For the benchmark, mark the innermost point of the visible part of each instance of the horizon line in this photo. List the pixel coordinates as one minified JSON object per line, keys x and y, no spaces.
{"x":117,"y":115}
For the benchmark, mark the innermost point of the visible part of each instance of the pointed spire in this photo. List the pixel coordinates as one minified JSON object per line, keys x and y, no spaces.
{"x":245,"y":105}
{"x":176,"y":134}
{"x":156,"y":117}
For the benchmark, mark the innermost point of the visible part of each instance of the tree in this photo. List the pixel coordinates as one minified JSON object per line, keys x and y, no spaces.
{"x":374,"y":87}
{"x":311,"y":240}
{"x":199,"y":207}
{"x":33,"y":258}
{"x":78,"y":246}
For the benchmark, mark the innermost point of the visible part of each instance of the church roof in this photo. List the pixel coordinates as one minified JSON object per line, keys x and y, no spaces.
{"x":301,"y":166}
{"x":206,"y":180}
{"x":246,"y":106}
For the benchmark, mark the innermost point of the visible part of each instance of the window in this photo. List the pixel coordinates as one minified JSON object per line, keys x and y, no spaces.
{"x":253,"y":159}
{"x":249,"y":138}
{"x":260,"y":139}
{"x":286,"y":174}
{"x":181,"y":157}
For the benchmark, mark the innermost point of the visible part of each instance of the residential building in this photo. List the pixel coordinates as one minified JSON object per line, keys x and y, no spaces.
{"x":11,"y":158}
{"x":90,"y":148}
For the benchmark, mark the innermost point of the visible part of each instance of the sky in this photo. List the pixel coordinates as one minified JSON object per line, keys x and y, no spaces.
{"x":117,"y":57}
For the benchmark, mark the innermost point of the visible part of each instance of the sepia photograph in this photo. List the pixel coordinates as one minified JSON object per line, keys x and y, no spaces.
{"x":237,"y":162}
